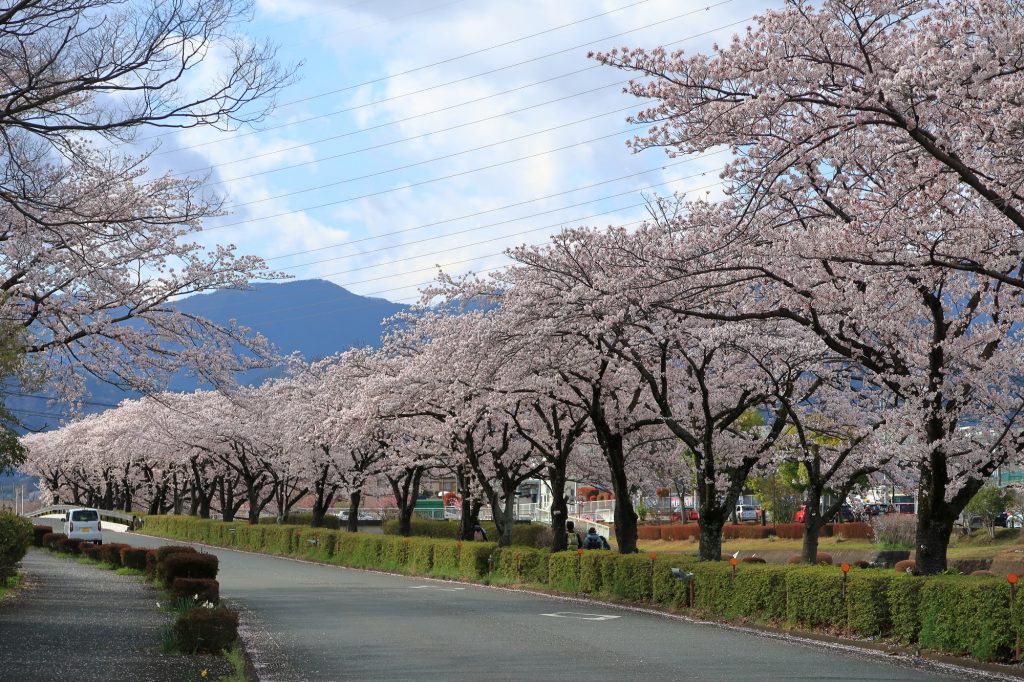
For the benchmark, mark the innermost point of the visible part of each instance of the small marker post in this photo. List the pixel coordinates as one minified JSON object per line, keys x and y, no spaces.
{"x":845,"y":568}
{"x":733,"y":562}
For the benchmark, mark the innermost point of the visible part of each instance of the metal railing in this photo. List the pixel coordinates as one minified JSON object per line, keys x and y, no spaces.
{"x":63,"y":508}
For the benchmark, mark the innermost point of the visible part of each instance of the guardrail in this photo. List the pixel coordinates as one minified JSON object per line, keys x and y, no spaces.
{"x":62,"y":508}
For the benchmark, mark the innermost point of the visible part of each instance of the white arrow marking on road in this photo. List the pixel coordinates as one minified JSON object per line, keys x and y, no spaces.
{"x":580,"y":616}
{"x":433,"y":587}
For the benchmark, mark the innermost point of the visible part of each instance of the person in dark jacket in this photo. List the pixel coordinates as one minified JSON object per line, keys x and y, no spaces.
{"x":479,"y":535}
{"x":573,"y":538}
{"x":595,"y":541}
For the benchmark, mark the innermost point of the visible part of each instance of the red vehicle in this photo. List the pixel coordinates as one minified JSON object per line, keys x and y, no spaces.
{"x":799,"y":516}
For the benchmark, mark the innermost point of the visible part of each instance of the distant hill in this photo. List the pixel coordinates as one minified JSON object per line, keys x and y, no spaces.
{"x":313,"y":317}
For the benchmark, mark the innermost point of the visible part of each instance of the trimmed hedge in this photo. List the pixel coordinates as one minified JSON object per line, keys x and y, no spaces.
{"x":134,"y":557}
{"x":199,"y":589}
{"x":969,"y":616}
{"x":205,"y":630}
{"x":91,"y":551}
{"x":110,"y":553}
{"x":955,"y":614}
{"x":187,"y":565}
{"x":50,"y":539}
{"x":37,"y":534}
{"x":524,"y":534}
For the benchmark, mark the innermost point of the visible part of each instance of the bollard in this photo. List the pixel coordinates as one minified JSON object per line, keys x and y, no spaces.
{"x":733,"y":562}
{"x":845,"y":568}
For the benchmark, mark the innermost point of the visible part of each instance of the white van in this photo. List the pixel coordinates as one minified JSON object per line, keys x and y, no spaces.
{"x":84,"y":524}
{"x":746,"y":512}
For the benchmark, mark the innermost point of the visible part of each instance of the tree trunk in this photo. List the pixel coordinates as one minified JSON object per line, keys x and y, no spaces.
{"x":625,"y":517}
{"x":406,"y":488}
{"x":935,"y":516}
{"x":710,"y":524}
{"x":470,"y":508}
{"x":353,"y":511}
{"x":559,"y":509}
{"x":813,"y":520}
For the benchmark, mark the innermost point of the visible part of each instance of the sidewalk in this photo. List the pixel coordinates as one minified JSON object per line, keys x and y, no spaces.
{"x":76,"y":622}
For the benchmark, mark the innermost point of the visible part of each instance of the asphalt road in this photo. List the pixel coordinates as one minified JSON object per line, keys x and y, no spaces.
{"x":315,"y":622}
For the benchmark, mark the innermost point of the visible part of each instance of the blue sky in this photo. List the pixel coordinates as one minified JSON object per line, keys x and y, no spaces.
{"x":376,"y":167}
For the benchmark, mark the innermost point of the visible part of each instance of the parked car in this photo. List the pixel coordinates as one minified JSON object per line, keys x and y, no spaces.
{"x":747,"y":512}
{"x":84,"y":524}
{"x":846,"y":514}
{"x":362,"y":516}
{"x":800,"y":514}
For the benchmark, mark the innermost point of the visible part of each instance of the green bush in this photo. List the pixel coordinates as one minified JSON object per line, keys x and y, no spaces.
{"x":473,"y":559}
{"x":330,"y":521}
{"x":446,"y":559}
{"x":276,"y":539}
{"x":134,"y":557}
{"x":200,"y":590}
{"x":759,"y":592}
{"x":814,"y":597}
{"x":666,"y":590}
{"x":967,"y":616}
{"x":524,"y":534}
{"x":521,"y":564}
{"x":713,"y":587}
{"x":564,"y":571}
{"x":590,"y":572}
{"x":421,"y":556}
{"x":203,"y":630}
{"x":394,"y":553}
{"x":316,"y":544}
{"x":867,"y":601}
{"x":110,"y":553}
{"x":904,"y":597}
{"x":628,"y":576}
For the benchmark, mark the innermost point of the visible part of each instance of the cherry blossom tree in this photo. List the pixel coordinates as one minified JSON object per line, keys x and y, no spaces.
{"x":874,"y":200}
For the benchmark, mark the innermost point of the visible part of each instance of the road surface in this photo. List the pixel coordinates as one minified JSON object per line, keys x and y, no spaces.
{"x":316,"y":622}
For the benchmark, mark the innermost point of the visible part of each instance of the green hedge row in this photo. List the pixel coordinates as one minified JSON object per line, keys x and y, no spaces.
{"x":954,"y":614}
{"x":415,"y":555}
{"x":524,"y":534}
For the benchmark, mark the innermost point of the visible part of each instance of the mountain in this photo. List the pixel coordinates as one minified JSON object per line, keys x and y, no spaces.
{"x":313,"y":317}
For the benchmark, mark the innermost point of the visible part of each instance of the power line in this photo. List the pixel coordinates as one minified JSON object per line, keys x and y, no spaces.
{"x":492,"y":210}
{"x":350,"y":133}
{"x":513,"y":220}
{"x":409,"y":185}
{"x":459,"y":80}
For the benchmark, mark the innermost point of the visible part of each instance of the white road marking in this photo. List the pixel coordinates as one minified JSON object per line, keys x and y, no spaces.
{"x":580,"y":616}
{"x":434,"y":587}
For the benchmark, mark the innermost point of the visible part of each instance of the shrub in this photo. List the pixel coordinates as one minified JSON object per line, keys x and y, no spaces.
{"x":564,"y":571}
{"x":628,"y":576}
{"x":590,"y":572}
{"x":203,"y":630}
{"x":37,"y":534}
{"x":895,"y":530}
{"x":187,"y":565}
{"x":50,"y":539}
{"x":275,"y":540}
{"x":16,"y":536}
{"x":330,"y":520}
{"x":713,"y":588}
{"x":110,"y":553}
{"x":421,"y":556}
{"x":983,"y":573}
{"x":524,"y":534}
{"x":752,"y":560}
{"x":759,"y":592}
{"x":904,"y":597}
{"x":814,"y":597}
{"x":314,"y":543}
{"x":665,"y":588}
{"x":90,"y":551}
{"x":747,"y":531}
{"x":964,"y":616}
{"x":855,"y":530}
{"x":446,"y":559}
{"x":867,"y":599}
{"x":394,"y":553}
{"x":648,"y":533}
{"x":70,"y":545}
{"x":155,"y":558}
{"x":134,"y":557}
{"x":522,"y":564}
{"x":689,"y":531}
{"x":906,"y":566}
{"x":789,"y":531}
{"x":473,"y":558}
{"x":200,"y":589}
